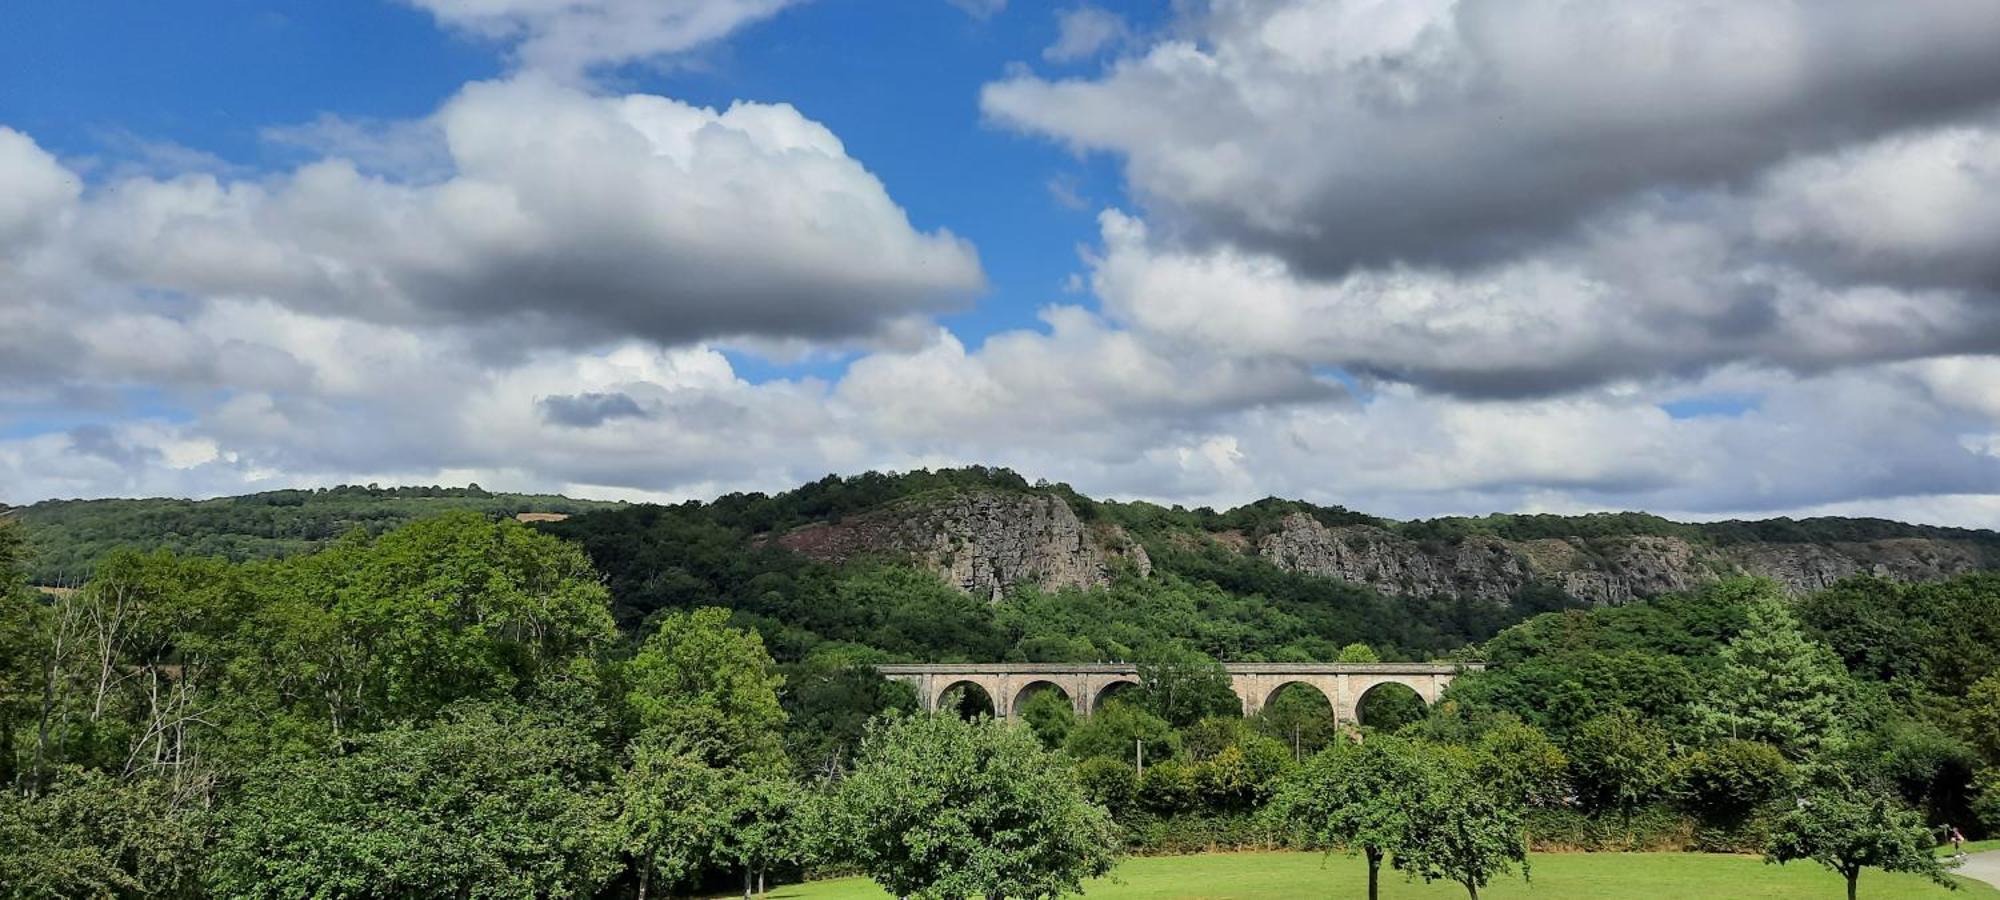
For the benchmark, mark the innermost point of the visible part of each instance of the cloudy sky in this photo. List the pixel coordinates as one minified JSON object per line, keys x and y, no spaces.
{"x":1412,"y":256}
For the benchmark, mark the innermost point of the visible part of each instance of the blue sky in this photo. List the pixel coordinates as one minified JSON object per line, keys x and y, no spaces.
{"x":1420,"y":257}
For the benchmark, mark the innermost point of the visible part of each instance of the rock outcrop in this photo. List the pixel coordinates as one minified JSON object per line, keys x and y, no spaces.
{"x":983,"y":542}
{"x":1600,"y":570}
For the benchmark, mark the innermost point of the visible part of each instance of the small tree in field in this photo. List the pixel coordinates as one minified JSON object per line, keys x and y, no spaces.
{"x":1848,"y":830}
{"x":1459,"y":828}
{"x":943,"y":808}
{"x":1352,"y":796}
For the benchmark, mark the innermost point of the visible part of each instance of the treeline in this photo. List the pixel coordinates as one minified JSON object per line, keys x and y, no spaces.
{"x":69,"y":537}
{"x":448,"y":709}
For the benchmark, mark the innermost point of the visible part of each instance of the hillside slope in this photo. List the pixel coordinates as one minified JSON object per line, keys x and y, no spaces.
{"x":67,"y":537}
{"x":989,"y":538}
{"x":988,"y":531}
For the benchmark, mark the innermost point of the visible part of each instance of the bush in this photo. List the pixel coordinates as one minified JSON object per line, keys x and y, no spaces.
{"x":1109,"y":783}
{"x":1724,"y":782}
{"x":1168,"y":787}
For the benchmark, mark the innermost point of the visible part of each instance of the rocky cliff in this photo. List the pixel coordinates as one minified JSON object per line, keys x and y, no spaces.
{"x":981,"y":541}
{"x":1598,"y":570}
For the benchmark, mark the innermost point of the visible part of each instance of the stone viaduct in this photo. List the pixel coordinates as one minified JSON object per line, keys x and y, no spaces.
{"x":1086,"y":685}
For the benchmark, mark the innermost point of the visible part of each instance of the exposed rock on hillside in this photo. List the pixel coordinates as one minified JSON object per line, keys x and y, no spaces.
{"x":1602,"y":570}
{"x":984,"y":542}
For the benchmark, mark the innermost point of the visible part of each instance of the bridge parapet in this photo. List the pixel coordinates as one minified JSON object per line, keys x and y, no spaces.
{"x":1086,"y":684}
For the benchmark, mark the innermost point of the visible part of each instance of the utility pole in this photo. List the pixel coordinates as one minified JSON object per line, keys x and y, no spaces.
{"x":1139,"y":753}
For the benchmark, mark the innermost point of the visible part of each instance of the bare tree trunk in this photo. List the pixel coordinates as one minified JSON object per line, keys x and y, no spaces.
{"x":1853,"y":875}
{"x":747,"y":882}
{"x":645,"y":877}
{"x":1374,"y":871}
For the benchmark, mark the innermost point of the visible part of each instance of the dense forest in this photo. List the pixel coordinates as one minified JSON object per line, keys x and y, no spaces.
{"x":67,"y":537}
{"x":648,"y":699}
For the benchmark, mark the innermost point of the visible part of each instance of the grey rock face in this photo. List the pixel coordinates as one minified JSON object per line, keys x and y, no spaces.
{"x":1602,"y":571}
{"x":1363,"y":554}
{"x":982,"y":542}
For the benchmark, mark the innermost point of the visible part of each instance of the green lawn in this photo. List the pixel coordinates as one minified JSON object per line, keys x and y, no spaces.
{"x":1557,"y":876}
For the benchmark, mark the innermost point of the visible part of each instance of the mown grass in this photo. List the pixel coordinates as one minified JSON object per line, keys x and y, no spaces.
{"x":1557,"y":876}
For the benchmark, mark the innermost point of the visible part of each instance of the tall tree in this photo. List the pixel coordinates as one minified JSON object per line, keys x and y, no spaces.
{"x":672,"y":812}
{"x":711,"y":687}
{"x":1776,"y":685}
{"x":943,"y":808}
{"x":1846,"y":829}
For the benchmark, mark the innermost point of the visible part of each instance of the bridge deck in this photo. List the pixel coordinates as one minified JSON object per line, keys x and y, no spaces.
{"x":1258,"y":668}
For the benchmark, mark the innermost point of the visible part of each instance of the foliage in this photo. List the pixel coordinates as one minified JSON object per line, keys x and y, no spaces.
{"x":942,"y":808}
{"x":1355,"y":797}
{"x":1299,"y":716}
{"x":1981,"y":716}
{"x":709,"y":686}
{"x":672,"y":811}
{"x":1986,"y":800}
{"x":1619,"y":761}
{"x":828,"y":704}
{"x":1848,"y":830}
{"x":69,"y":537}
{"x":1117,"y":730}
{"x":1775,"y":684}
{"x":1521,"y":763}
{"x":1730,"y":778}
{"x":1391,"y":707}
{"x":490,"y":801}
{"x":89,"y":834}
{"x":1183,"y":686}
{"x":1050,"y":715}
{"x":1458,"y":828}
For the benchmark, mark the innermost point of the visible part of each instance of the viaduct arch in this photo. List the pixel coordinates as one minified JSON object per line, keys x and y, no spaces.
{"x":1086,"y":684}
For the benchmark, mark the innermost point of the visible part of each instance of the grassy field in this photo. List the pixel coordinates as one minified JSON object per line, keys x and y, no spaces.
{"x":1597,"y":876}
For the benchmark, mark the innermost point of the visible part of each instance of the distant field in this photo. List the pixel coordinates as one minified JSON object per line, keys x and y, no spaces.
{"x":1559,"y":876}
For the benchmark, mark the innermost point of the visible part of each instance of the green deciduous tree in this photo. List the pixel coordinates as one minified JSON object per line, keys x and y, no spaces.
{"x":1184,"y":686}
{"x":1460,"y":829}
{"x":1050,"y":715}
{"x":672,"y":812}
{"x":1981,"y":717}
{"x":710,"y":687}
{"x":1355,"y":797}
{"x":1117,"y":730}
{"x":1619,"y":761}
{"x":90,"y":835}
{"x":942,"y":808}
{"x":1521,"y":762}
{"x":1846,"y":829}
{"x":1358,"y":653}
{"x":490,"y":801}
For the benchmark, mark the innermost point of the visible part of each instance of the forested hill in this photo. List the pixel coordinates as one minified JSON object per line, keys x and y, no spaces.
{"x":910,"y":564}
{"x":67,"y":537}
{"x":917,"y":564}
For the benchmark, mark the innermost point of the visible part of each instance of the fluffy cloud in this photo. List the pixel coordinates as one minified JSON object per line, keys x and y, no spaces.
{"x":571,"y":36}
{"x":1337,"y":133}
{"x":567,"y":218}
{"x":34,"y":190}
{"x":1083,"y":32}
{"x":1414,"y":258}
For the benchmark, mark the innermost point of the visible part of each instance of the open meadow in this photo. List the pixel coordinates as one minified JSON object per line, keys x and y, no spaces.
{"x":1557,"y":876}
